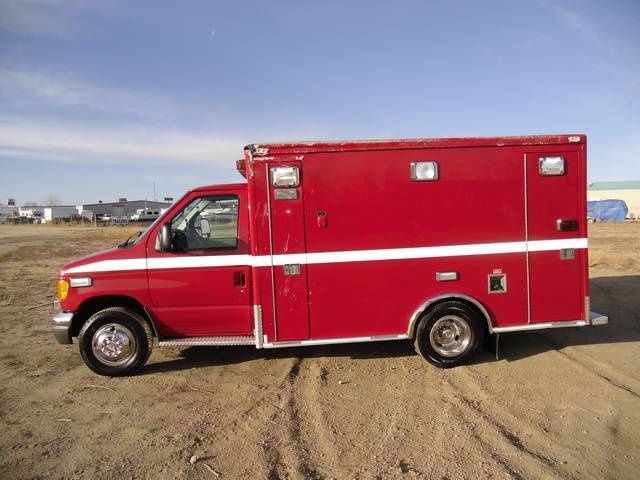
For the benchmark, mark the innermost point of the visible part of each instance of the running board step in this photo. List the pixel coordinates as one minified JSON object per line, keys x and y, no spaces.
{"x":207,"y":341}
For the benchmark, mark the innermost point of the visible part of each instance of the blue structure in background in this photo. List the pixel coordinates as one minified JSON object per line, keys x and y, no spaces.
{"x":607,"y":210}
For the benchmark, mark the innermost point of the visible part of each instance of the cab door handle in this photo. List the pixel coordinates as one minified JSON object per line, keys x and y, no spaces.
{"x":239,"y":279}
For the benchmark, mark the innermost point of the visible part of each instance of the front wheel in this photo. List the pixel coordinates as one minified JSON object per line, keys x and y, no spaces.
{"x":449,"y":334}
{"x":115,"y":341}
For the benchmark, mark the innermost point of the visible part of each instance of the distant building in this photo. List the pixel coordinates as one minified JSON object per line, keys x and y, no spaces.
{"x":62,"y":212}
{"x":41,"y":213}
{"x":123,"y":209}
{"x":629,"y":191}
{"x":114,"y":210}
{"x":32,"y":211}
{"x":7,"y":212}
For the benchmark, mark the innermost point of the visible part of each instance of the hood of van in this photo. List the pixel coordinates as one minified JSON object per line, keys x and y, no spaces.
{"x":111,"y":260}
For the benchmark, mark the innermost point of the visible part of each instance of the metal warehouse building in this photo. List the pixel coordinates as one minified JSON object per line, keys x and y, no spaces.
{"x":629,"y":191}
{"x":124,"y":208}
{"x":54,"y":213}
{"x":8,"y":211}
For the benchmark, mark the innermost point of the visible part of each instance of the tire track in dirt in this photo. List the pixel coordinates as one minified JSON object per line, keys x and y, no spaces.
{"x":291,"y":458}
{"x":506,"y":466}
{"x":272,"y":449}
{"x":314,"y":395}
{"x":397,"y":415}
{"x":305,"y":466}
{"x":506,"y":435}
{"x":272,"y":458}
{"x":590,"y":368}
{"x":481,"y":392}
{"x":613,"y":429}
{"x":316,"y":379}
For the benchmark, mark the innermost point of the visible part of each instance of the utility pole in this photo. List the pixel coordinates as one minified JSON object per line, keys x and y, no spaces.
{"x":155,"y":199}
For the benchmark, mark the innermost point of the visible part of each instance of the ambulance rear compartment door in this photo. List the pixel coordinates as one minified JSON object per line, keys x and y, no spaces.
{"x":557,"y":236}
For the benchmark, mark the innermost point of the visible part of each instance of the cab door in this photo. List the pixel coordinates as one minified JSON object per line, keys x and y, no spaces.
{"x":201,"y":286}
{"x":556,"y":224}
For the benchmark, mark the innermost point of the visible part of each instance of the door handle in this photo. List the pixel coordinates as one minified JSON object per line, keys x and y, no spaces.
{"x":566,"y":225}
{"x":239,"y":279}
{"x":322,"y":219}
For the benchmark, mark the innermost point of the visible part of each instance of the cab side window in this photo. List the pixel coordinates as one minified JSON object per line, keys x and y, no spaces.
{"x":206,"y":223}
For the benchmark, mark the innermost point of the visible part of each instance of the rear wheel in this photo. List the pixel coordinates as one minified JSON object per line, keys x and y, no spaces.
{"x":115,"y":341}
{"x":449,"y":334}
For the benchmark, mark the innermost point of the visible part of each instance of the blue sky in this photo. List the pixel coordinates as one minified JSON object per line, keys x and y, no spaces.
{"x":99,"y":99}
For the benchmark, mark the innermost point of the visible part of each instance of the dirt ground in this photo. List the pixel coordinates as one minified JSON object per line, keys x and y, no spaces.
{"x":558,"y":404}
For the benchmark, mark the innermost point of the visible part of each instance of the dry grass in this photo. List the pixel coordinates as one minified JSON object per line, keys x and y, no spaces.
{"x":615,"y":246}
{"x":30,"y":255}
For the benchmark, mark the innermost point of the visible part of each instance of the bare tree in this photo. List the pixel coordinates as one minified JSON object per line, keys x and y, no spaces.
{"x":52,"y":200}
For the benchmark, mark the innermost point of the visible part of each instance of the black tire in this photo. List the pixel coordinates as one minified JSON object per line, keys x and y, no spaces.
{"x":457,"y":329}
{"x":126,"y":341}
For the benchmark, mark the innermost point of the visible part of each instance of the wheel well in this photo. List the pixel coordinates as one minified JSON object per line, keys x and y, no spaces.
{"x":472,"y":303}
{"x":96,"y":304}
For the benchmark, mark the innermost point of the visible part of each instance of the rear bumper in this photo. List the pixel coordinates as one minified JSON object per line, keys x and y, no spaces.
{"x":60,"y":325}
{"x":597,"y":319}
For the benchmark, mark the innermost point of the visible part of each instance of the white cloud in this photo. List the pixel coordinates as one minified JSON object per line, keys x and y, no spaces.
{"x":126,"y":144}
{"x":64,"y":90}
{"x":167,"y":179}
{"x":46,"y":17}
{"x":580,"y":24}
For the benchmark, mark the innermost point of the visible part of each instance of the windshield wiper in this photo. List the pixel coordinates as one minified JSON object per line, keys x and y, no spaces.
{"x":132,"y":237}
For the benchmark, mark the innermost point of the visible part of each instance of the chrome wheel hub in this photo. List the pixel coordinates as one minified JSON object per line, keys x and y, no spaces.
{"x":114,"y":344}
{"x":450,"y":336}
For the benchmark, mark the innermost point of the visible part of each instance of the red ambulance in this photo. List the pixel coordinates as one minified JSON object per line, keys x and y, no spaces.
{"x":440,"y":242}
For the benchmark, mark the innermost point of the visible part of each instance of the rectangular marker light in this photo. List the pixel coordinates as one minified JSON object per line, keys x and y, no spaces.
{"x":285,"y":176}
{"x":424,"y":171}
{"x":81,"y":282}
{"x":550,"y":166}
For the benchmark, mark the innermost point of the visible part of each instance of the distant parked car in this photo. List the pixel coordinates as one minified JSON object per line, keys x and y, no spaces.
{"x":145,"y":214}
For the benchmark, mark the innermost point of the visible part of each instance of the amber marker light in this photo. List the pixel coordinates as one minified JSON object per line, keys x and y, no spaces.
{"x":62,"y":290}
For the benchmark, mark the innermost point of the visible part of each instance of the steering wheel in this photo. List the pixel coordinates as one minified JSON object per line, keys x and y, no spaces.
{"x":179,"y":241}
{"x":193,"y":235}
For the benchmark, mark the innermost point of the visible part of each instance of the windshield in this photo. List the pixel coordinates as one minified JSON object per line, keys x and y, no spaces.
{"x":194,"y":208}
{"x":146,"y":230}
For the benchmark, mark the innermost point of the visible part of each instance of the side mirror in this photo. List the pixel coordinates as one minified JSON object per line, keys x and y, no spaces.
{"x":163,"y":242}
{"x":205,"y":228}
